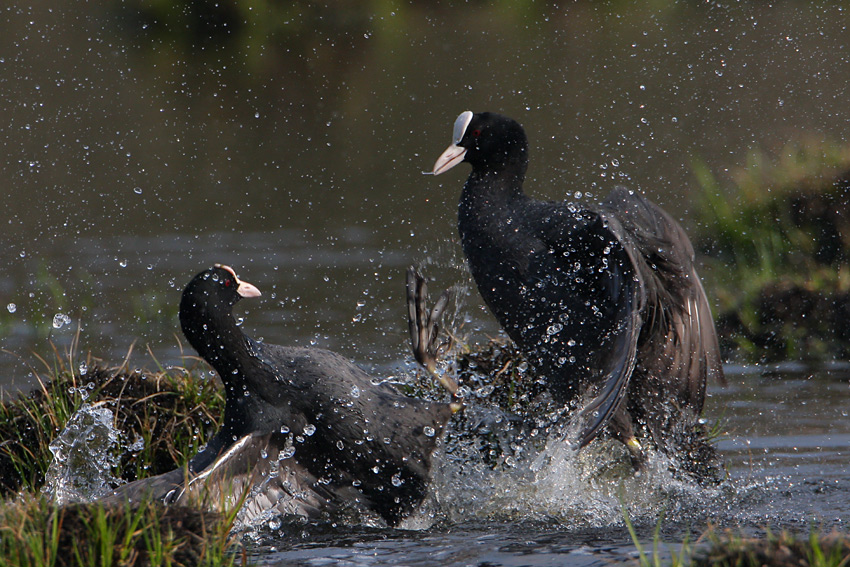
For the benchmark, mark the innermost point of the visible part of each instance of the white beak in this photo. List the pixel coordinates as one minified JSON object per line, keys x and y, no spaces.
{"x":247,"y":290}
{"x":453,"y":155}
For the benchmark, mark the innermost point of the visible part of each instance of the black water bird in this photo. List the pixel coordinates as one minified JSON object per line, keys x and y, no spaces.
{"x":304,"y":429}
{"x":604,"y":300}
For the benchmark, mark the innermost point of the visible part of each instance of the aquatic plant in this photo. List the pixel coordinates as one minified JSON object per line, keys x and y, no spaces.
{"x":778,"y":242}
{"x":676,"y":559}
{"x":164,"y":417}
{"x":29,"y":423}
{"x":733,"y":549}
{"x":785,"y":549}
{"x":34,"y":531}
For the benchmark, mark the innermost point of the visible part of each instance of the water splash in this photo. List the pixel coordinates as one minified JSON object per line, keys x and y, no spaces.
{"x":489,"y":469}
{"x":83,"y":457}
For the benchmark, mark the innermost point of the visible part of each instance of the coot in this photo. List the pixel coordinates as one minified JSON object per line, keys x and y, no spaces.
{"x":604,"y":300}
{"x":305,"y":430}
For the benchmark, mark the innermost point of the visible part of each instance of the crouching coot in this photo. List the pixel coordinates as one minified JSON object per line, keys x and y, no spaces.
{"x":304,"y":429}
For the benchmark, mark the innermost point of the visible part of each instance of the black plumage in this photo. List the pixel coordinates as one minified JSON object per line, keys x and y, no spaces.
{"x":306,"y":429}
{"x":604,"y":300}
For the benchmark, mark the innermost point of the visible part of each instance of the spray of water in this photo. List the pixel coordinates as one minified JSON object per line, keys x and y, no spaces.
{"x":83,"y":457}
{"x":546,"y":479}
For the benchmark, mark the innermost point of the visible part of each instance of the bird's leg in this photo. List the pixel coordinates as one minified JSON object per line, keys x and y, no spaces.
{"x":425,"y":329}
{"x":623,"y":431}
{"x":636,"y":453}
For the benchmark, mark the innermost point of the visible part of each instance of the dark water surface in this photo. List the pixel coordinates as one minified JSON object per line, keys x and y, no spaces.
{"x":291,"y":146}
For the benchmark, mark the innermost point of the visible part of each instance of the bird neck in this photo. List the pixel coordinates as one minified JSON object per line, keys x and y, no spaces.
{"x":490,"y":197}
{"x":219,"y":341}
{"x":498,"y":178}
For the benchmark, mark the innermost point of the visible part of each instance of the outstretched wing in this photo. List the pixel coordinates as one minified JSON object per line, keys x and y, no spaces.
{"x":679,"y":351}
{"x":161,"y":487}
{"x":584,"y":279}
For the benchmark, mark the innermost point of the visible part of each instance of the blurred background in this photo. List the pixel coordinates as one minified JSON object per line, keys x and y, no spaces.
{"x":143,"y":141}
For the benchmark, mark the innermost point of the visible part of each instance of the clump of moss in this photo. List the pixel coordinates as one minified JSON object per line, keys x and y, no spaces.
{"x":36,"y":532}
{"x":785,"y":549}
{"x":780,"y":243}
{"x":172,"y":412}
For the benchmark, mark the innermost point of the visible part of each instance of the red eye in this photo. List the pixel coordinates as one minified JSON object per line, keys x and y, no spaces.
{"x":476,"y":133}
{"x":227,"y":282}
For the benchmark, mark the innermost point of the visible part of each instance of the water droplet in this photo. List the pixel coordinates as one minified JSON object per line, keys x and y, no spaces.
{"x":396,"y":480}
{"x":284,"y":429}
{"x":137,"y":190}
{"x":60,"y":320}
{"x":429,"y":431}
{"x":137,"y":445}
{"x":309,"y":429}
{"x":11,"y":308}
{"x":355,"y":392}
{"x":340,"y":445}
{"x":485,"y":391}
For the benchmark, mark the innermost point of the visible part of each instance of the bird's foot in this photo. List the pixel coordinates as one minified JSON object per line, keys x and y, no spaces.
{"x":425,"y":329}
{"x":637,"y":456}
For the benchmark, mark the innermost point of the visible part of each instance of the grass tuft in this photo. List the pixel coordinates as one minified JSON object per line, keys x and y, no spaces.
{"x":35,"y":532}
{"x":172,"y":412}
{"x":778,"y":241}
{"x":786,"y":549}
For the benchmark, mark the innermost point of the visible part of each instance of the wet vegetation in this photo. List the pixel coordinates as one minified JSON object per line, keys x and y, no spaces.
{"x":728,"y":549}
{"x":34,"y":531}
{"x":778,"y":242}
{"x":163,"y":418}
